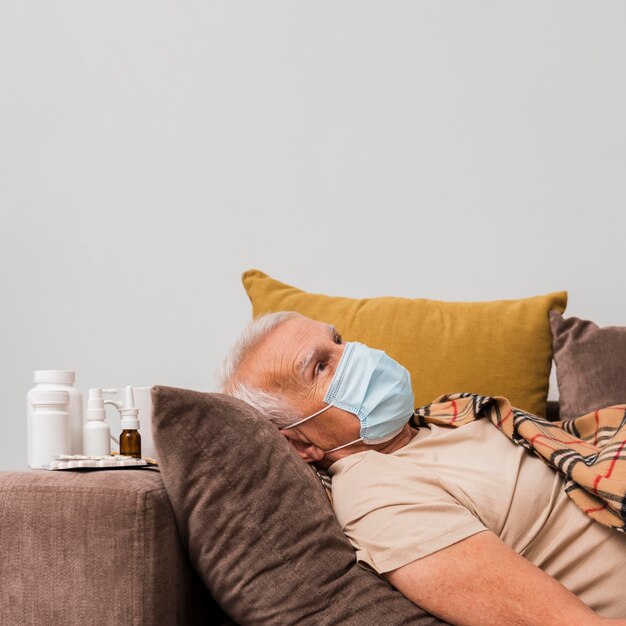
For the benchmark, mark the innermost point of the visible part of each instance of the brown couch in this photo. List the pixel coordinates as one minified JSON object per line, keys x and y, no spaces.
{"x":95,"y":547}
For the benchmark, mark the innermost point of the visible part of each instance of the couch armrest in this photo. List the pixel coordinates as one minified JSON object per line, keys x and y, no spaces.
{"x":94,"y":547}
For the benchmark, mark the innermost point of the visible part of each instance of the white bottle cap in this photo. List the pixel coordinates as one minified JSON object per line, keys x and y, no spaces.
{"x":130,"y":423}
{"x":45,"y":396}
{"x":64,"y":377}
{"x":129,"y":412}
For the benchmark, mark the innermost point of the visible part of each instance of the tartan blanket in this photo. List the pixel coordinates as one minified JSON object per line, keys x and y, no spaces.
{"x":587,"y":450}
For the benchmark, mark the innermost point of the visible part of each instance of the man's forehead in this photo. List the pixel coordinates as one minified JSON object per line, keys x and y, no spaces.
{"x":306,"y":324}
{"x":298,"y":332}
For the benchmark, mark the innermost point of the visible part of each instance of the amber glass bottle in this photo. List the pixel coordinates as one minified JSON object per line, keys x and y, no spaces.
{"x":130,"y":439}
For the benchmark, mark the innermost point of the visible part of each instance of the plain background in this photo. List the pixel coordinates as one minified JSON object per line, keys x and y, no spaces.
{"x":152,"y":151}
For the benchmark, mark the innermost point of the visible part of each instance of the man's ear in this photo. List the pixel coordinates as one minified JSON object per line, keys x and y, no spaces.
{"x":305,"y":449}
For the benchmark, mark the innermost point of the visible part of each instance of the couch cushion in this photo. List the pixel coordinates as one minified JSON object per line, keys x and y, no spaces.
{"x":257,"y":523}
{"x":94,"y":547}
{"x":590,"y":364}
{"x":499,"y":348}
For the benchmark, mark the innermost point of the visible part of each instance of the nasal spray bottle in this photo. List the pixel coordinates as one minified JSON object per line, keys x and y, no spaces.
{"x":96,"y":432}
{"x":130,"y":439}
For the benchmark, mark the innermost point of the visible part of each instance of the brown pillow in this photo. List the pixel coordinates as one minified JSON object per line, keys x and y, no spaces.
{"x":256,"y":521}
{"x":590,"y":364}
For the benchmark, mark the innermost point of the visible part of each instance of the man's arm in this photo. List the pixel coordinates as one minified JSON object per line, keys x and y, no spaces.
{"x":480,"y":581}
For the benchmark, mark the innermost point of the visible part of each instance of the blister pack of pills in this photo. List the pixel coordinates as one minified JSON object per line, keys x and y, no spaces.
{"x":107,"y":461}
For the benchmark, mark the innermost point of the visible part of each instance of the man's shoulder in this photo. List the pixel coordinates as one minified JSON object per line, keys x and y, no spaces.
{"x":367,"y":476}
{"x":346,"y":465}
{"x":360,"y":462}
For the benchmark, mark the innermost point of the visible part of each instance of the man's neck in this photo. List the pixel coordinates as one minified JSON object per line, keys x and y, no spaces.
{"x":399,"y":441}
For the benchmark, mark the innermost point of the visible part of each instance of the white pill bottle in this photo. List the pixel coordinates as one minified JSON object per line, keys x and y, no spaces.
{"x":59,"y":380}
{"x":49,"y":426}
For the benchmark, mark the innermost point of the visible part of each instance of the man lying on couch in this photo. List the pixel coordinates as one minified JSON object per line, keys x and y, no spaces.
{"x":463,"y":522}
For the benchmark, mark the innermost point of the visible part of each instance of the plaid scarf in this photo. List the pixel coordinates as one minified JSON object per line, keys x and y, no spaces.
{"x":587,"y":450}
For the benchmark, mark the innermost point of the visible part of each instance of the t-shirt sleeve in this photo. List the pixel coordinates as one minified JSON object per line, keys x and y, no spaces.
{"x":392,"y":518}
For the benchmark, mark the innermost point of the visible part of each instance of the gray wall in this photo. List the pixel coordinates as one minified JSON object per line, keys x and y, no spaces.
{"x":152,"y":151}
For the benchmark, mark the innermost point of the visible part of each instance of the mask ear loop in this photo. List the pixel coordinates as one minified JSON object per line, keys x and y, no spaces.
{"x":305,"y":419}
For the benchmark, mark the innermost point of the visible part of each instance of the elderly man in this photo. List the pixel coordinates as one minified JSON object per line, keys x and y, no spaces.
{"x":464,"y":523}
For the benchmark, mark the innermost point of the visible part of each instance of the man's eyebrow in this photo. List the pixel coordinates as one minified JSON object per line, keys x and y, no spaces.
{"x":303,"y":366}
{"x":306,"y":361}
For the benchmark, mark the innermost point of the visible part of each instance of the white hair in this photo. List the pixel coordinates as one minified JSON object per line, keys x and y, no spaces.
{"x":274,"y":407}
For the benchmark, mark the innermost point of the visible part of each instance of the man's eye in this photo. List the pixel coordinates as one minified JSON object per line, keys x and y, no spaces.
{"x":338,"y":339}
{"x":320,"y":367}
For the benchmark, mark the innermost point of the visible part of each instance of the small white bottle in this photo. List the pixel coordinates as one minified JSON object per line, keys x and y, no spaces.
{"x":62,"y":380}
{"x":50,"y":426}
{"x":96,"y":432}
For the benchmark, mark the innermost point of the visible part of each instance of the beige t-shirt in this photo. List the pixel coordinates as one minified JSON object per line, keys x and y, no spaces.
{"x":447,"y":484}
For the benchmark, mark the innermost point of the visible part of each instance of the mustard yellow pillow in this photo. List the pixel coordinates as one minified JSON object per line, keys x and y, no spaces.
{"x":502,"y":348}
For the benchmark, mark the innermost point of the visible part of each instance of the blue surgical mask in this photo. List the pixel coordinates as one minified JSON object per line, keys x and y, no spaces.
{"x":377,"y":389}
